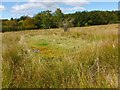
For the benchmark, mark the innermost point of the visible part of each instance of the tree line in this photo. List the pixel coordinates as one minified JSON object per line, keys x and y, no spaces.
{"x":47,"y":19}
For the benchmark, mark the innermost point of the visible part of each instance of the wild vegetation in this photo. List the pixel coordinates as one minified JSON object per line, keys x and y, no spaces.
{"x":47,"y":20}
{"x":84,"y":57}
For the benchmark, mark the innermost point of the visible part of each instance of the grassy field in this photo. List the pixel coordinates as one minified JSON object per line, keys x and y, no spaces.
{"x":84,"y":57}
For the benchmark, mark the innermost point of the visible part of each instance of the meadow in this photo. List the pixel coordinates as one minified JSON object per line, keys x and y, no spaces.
{"x":84,"y":57}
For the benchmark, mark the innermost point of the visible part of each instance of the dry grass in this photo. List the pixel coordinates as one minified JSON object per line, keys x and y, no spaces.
{"x":85,"y":57}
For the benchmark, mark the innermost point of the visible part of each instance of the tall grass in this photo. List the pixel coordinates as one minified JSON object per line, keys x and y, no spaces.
{"x":94,"y":66}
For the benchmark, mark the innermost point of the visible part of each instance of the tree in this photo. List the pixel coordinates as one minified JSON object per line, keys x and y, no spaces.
{"x":67,"y":24}
{"x":44,"y":20}
{"x":23,"y":17}
{"x":28,"y":23}
{"x":59,"y":17}
{"x":11,"y":19}
{"x":9,"y":25}
{"x":20,"y":25}
{"x":38,"y":20}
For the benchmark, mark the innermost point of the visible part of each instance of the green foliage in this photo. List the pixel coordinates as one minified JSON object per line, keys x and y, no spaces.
{"x":28,"y":23}
{"x":46,"y":20}
{"x":10,"y":25}
{"x":58,"y":17}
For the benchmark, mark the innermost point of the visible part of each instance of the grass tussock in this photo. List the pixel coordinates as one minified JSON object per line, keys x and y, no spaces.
{"x":81,"y":58}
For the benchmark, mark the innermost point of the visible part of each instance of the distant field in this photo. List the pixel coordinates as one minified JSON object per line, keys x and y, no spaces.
{"x":84,"y":57}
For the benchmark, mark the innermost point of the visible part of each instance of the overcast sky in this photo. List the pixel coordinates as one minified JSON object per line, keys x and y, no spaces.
{"x":32,"y":7}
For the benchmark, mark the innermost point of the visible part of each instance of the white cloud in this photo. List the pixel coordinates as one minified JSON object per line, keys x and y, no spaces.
{"x":73,"y":0}
{"x":58,"y":0}
{"x":74,"y":9}
{"x":76,"y":2}
{"x":2,"y":7}
{"x":34,"y":5}
{"x":76,"y":6}
{"x":26,"y":8}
